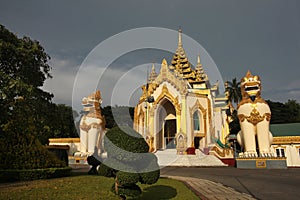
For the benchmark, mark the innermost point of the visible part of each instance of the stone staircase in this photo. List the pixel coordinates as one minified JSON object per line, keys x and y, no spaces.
{"x":169,"y":157}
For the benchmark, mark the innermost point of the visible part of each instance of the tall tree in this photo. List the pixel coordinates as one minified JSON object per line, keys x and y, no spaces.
{"x":23,"y":70}
{"x":23,"y":105}
{"x":234,"y":91}
{"x":294,"y":110}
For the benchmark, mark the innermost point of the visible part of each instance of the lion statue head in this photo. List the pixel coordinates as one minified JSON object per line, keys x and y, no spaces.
{"x":250,"y":86}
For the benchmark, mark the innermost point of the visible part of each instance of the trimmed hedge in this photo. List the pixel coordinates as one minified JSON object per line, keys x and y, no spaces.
{"x":124,"y":178}
{"x":33,"y":174}
{"x":129,"y":161}
{"x":106,"y":171}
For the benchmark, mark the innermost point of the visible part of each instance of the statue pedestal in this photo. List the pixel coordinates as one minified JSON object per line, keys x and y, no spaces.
{"x":261,"y":163}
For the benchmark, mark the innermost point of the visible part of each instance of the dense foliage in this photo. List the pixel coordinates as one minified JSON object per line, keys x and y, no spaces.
{"x":128,"y":161}
{"x":288,"y":112}
{"x":27,"y":113}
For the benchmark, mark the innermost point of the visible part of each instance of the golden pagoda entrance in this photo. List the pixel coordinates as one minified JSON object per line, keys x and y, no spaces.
{"x":167,"y":125}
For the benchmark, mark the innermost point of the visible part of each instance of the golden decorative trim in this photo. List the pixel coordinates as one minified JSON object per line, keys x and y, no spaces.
{"x":261,"y":164}
{"x":209,"y":114}
{"x":64,"y":140}
{"x":286,"y":140}
{"x":76,"y":158}
{"x":135,"y":118}
{"x":260,"y":158}
{"x":279,"y":146}
{"x":254,"y":117}
{"x":221,"y":153}
{"x":174,"y":79}
{"x":166,"y":94}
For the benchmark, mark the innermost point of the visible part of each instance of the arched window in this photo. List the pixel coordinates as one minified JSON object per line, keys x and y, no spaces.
{"x":196,"y":120}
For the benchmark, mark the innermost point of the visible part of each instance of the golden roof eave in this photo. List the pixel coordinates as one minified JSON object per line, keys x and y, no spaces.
{"x":286,"y":140}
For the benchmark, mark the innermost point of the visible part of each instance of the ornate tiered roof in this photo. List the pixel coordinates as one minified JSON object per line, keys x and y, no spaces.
{"x":199,"y":71}
{"x":182,"y":66}
{"x":180,"y":62}
{"x":152,"y":75}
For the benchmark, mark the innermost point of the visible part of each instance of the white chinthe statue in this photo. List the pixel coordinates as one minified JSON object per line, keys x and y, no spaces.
{"x":254,"y":116}
{"x":92,"y":126}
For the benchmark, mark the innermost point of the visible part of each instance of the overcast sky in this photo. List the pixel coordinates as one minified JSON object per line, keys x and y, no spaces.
{"x":260,"y":35}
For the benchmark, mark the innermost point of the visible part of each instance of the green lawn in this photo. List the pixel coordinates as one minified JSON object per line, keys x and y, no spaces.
{"x":90,"y":187}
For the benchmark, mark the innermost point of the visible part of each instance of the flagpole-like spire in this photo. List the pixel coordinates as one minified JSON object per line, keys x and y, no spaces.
{"x":179,"y":37}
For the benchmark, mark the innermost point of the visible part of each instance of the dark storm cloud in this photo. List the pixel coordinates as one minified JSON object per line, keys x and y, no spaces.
{"x":263,"y":36}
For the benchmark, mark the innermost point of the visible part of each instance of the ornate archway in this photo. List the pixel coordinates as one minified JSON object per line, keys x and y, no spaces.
{"x":167,"y":125}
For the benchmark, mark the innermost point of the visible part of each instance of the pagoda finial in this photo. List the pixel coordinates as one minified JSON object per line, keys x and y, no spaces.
{"x":153,"y":68}
{"x":164,"y":62}
{"x":153,"y":74}
{"x":179,"y":37}
{"x":198,"y":59}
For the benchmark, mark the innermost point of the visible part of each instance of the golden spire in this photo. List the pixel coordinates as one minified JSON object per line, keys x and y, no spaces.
{"x":180,"y":62}
{"x":200,"y":74}
{"x":164,"y":62}
{"x":199,"y":65}
{"x":179,"y":37}
{"x":180,"y":51}
{"x":153,"y":74}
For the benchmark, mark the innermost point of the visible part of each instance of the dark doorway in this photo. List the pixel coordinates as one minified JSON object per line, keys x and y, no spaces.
{"x":197,"y":142}
{"x":169,"y":133}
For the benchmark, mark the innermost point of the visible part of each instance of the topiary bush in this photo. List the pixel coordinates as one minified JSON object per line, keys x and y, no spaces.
{"x":128,"y":161}
{"x":106,"y":171}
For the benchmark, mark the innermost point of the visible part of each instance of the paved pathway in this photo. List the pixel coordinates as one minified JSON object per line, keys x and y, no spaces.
{"x":263,"y":184}
{"x":207,"y":190}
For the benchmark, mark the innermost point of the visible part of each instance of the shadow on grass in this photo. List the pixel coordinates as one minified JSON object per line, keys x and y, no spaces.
{"x":158,"y":192}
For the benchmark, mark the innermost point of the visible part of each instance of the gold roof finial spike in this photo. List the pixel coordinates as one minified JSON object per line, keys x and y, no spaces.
{"x":179,"y":37}
{"x":153,"y":67}
{"x":153,"y":74}
{"x":199,"y":65}
{"x":164,"y":62}
{"x":198,"y":59}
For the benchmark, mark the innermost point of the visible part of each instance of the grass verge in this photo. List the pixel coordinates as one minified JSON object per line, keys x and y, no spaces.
{"x":90,"y":187}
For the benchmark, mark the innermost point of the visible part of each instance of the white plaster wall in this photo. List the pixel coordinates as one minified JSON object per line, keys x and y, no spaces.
{"x":291,"y":153}
{"x":172,"y":90}
{"x":191,"y":101}
{"x":293,"y":158}
{"x":218,"y":123}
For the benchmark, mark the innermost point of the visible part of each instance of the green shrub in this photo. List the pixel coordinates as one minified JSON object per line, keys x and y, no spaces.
{"x":124,"y":178}
{"x":149,"y":177}
{"x":106,"y":171}
{"x":26,"y":152}
{"x":129,"y":161}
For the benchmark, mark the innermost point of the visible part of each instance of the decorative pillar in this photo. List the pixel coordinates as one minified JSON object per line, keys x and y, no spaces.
{"x":183,"y":115}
